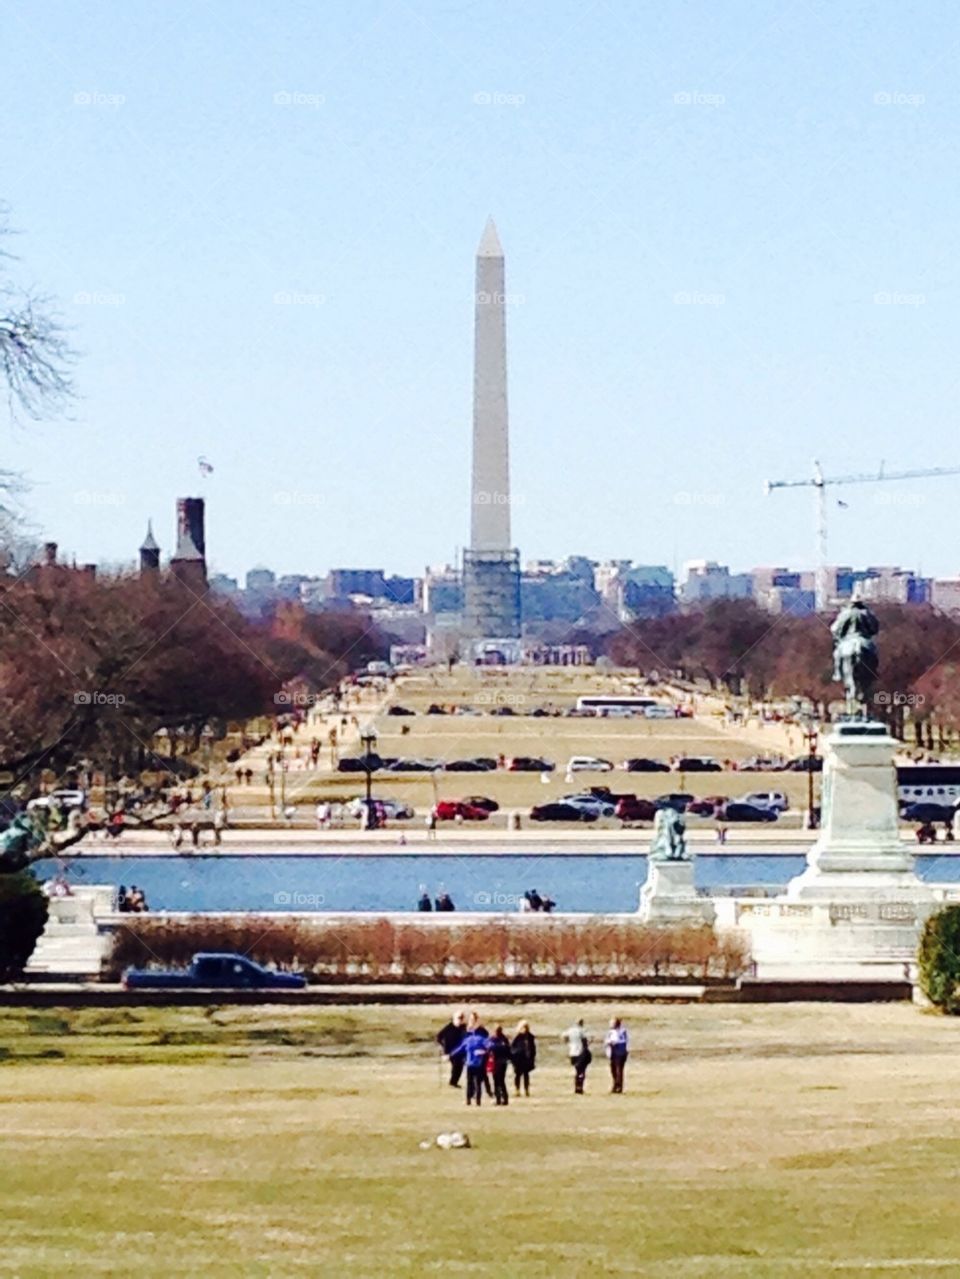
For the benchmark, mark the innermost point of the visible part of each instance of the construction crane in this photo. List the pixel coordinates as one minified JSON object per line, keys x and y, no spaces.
{"x":821,"y":483}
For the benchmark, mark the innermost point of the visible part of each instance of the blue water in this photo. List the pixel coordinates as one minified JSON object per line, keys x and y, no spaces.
{"x":589,"y":882}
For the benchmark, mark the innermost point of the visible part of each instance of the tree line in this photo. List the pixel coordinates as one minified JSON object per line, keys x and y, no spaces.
{"x":736,"y":648}
{"x":103,"y":667}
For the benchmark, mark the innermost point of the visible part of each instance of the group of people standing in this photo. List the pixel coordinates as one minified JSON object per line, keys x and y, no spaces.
{"x":486,"y":1058}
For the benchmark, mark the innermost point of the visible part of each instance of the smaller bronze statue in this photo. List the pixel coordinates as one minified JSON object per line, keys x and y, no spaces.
{"x":669,"y":843}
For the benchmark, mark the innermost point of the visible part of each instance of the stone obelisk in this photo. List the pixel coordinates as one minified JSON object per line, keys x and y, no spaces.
{"x":491,"y":567}
{"x":490,"y":490}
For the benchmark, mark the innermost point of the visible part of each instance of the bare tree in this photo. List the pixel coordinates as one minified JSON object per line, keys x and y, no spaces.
{"x":35,"y":356}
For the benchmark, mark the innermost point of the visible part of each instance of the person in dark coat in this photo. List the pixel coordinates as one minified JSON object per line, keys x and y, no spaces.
{"x":450,"y":1038}
{"x":523,"y":1053}
{"x":498,"y":1046}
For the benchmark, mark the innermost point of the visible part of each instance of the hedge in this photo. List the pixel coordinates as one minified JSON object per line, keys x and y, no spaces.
{"x":385,"y":950}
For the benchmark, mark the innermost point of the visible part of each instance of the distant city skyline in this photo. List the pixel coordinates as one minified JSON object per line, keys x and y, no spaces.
{"x":732,"y":248}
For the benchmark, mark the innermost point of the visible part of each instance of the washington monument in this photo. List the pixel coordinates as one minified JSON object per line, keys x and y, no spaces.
{"x":491,"y":566}
{"x":490,"y":517}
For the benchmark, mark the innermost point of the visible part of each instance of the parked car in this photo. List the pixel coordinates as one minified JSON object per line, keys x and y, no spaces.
{"x":659,"y":712}
{"x":640,"y":765}
{"x":483,"y":801}
{"x":708,"y":806}
{"x":635,"y":810}
{"x":503,"y":710}
{"x":361,"y":764}
{"x":588,"y":764}
{"x":698,"y":764}
{"x":449,"y":810}
{"x":737,"y":811}
{"x":64,"y":798}
{"x":805,"y":764}
{"x":925,"y":811}
{"x":530,"y":764}
{"x":394,"y":809}
{"x":767,"y":799}
{"x":416,"y":765}
{"x":590,"y":803}
{"x":557,"y":811}
{"x":400,"y":710}
{"x":761,"y":764}
{"x":219,"y":971}
{"x":479,"y":765}
{"x":679,"y":800}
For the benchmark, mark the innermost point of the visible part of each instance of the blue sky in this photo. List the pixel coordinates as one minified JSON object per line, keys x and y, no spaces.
{"x":732,"y":245}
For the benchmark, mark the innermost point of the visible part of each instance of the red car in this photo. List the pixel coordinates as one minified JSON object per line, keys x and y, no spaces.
{"x":707,"y":807}
{"x":631,"y":809}
{"x":448,"y":810}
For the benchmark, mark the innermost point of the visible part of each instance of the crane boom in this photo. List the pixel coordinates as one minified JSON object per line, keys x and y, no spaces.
{"x":822,"y":482}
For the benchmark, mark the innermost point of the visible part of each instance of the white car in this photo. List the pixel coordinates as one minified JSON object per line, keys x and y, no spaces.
{"x":590,"y":804}
{"x":392,"y":808}
{"x":588,"y":764}
{"x":774,"y":799}
{"x":63,"y":798}
{"x":658,"y":712}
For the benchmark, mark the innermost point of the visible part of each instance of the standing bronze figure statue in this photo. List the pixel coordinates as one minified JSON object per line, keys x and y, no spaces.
{"x":855,"y":657}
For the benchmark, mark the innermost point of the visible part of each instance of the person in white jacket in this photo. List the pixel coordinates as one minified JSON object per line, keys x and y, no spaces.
{"x":617,"y":1044}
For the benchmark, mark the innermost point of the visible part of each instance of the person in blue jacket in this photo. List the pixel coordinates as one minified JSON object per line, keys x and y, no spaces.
{"x":474,"y":1049}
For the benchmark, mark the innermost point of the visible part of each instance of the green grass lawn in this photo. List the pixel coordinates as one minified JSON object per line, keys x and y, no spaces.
{"x":760,"y":1141}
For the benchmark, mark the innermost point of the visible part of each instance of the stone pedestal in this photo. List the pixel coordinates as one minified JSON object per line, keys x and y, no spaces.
{"x":72,"y":943}
{"x":858,"y":908}
{"x":859,"y":855}
{"x":669,"y":895}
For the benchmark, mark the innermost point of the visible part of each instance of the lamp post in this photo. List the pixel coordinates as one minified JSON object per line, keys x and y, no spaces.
{"x":811,"y":733}
{"x":368,"y":739}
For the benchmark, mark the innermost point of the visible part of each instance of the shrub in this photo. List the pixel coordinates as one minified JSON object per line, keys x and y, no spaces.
{"x":23,"y":917}
{"x":594,"y":949}
{"x":940,"y":959}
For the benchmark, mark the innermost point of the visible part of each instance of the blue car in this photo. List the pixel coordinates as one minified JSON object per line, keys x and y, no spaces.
{"x":214,"y":972}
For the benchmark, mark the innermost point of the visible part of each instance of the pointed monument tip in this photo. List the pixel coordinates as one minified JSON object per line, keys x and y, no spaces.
{"x":149,"y":542}
{"x":490,"y":246}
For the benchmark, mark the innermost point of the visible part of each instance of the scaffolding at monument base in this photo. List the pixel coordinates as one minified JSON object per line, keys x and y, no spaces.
{"x":491,"y":595}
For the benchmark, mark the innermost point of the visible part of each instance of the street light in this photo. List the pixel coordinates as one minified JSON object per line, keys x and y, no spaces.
{"x":811,"y":732}
{"x":368,"y":739}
